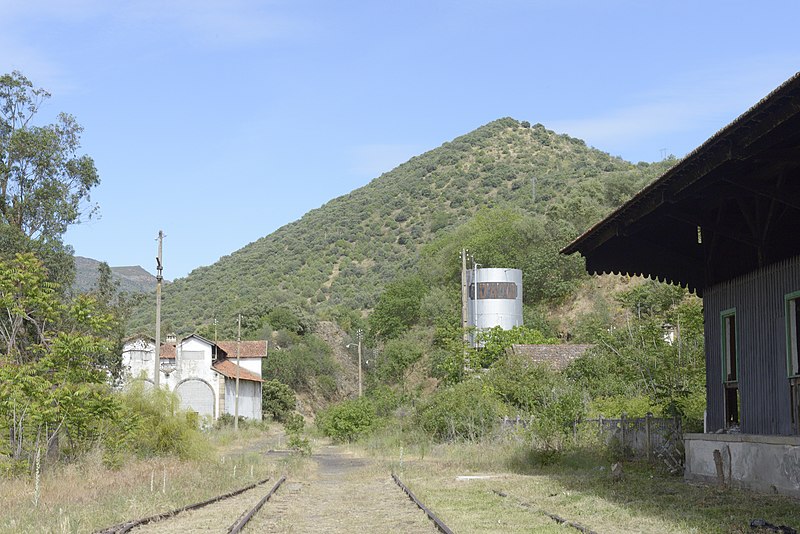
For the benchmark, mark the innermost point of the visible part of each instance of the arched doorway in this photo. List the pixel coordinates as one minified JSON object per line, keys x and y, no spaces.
{"x":196,"y":395}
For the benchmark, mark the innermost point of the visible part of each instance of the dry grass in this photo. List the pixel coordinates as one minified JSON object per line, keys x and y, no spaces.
{"x":578,"y":488}
{"x":87,"y":496}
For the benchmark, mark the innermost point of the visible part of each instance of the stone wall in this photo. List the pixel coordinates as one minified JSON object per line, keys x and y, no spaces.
{"x":768,"y":464}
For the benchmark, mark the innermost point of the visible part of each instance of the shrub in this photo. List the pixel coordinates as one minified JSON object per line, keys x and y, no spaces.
{"x":397,"y":357}
{"x":294,"y":425}
{"x":439,"y":306}
{"x":347,"y":420}
{"x":552,"y":401}
{"x":285,"y":319}
{"x":285,"y":339}
{"x":497,"y":340}
{"x":226,"y":420}
{"x":156,"y":426}
{"x":465,"y":411}
{"x":616,"y":405}
{"x":384,"y":399}
{"x":398,"y":308}
{"x":326,"y":384}
{"x":302,"y":365}
{"x":277,"y":399}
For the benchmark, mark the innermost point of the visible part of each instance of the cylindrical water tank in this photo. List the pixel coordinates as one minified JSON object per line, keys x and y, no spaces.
{"x":494,"y":298}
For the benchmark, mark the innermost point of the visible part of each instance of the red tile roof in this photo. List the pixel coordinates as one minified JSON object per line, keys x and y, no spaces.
{"x":557,"y":356}
{"x":248,"y":349}
{"x":228,"y":368}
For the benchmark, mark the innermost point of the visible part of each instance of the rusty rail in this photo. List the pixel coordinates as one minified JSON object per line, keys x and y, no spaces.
{"x":121,"y":528}
{"x":241,"y":522}
{"x":558,"y":519}
{"x":438,"y":522}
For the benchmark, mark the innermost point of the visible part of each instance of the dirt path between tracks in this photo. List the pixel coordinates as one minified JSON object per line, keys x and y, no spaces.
{"x":341,"y":493}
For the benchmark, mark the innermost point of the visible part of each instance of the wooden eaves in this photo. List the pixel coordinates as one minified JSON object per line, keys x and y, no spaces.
{"x":729,"y":207}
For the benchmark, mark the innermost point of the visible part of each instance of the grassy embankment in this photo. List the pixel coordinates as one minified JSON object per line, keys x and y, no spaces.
{"x":459,"y":482}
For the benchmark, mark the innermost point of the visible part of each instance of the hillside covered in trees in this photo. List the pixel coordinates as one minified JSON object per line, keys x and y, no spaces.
{"x":381,"y":266}
{"x":338,"y":258}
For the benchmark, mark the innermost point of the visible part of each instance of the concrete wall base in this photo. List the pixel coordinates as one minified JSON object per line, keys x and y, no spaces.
{"x":769,"y":464}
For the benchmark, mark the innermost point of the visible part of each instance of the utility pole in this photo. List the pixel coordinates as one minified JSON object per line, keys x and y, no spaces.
{"x":359,"y":335}
{"x":238,"y":362}
{"x":464,"y":320}
{"x":159,"y":278}
{"x":464,"y":300}
{"x":475,"y":301}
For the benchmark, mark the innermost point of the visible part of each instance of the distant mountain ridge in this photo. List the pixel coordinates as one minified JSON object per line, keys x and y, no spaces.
{"x":132,"y":279}
{"x":344,"y":253}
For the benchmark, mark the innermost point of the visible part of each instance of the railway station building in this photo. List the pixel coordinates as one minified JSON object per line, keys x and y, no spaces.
{"x":725,"y":223}
{"x":202,"y":373}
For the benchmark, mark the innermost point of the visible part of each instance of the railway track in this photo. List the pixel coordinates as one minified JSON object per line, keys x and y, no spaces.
{"x":189,"y":518}
{"x":436,"y":521}
{"x":216,"y":513}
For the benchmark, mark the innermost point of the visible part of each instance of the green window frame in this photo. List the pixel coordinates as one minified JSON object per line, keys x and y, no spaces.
{"x":729,"y":346}
{"x":792,"y":314}
{"x":729,"y":340}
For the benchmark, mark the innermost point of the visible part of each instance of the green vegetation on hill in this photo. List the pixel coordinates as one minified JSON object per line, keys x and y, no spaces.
{"x":339,"y":257}
{"x":382,"y":261}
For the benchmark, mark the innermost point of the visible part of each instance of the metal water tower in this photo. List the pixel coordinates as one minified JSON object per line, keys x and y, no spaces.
{"x":494,"y":299}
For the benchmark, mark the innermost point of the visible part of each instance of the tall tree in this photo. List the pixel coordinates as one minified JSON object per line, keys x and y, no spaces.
{"x":28,"y":307}
{"x":398,"y":308}
{"x":44,"y":183}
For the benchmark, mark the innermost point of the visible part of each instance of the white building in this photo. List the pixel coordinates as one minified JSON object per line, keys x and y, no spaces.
{"x":202,"y":373}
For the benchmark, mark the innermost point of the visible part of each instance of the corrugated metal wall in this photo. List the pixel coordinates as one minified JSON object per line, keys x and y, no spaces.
{"x":249,"y":398}
{"x":760,"y":321}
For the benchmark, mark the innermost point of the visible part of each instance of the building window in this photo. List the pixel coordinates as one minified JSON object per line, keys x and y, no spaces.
{"x":730,"y":367}
{"x":192,"y":355}
{"x":139,"y":356}
{"x":793,"y":355}
{"x":792,"y":329}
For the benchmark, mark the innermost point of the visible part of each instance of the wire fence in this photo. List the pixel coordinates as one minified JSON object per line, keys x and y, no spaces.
{"x":651,"y":438}
{"x":636,"y":437}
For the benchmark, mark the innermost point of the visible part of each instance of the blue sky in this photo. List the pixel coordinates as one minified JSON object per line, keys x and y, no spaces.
{"x":220,"y":121}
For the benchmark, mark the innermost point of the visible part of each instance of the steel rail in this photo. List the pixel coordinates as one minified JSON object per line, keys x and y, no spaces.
{"x":242,"y":521}
{"x":438,"y":522}
{"x":557,"y":518}
{"x":121,"y":528}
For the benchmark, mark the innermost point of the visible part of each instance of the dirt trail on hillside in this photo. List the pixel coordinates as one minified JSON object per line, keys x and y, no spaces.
{"x":341,"y":493}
